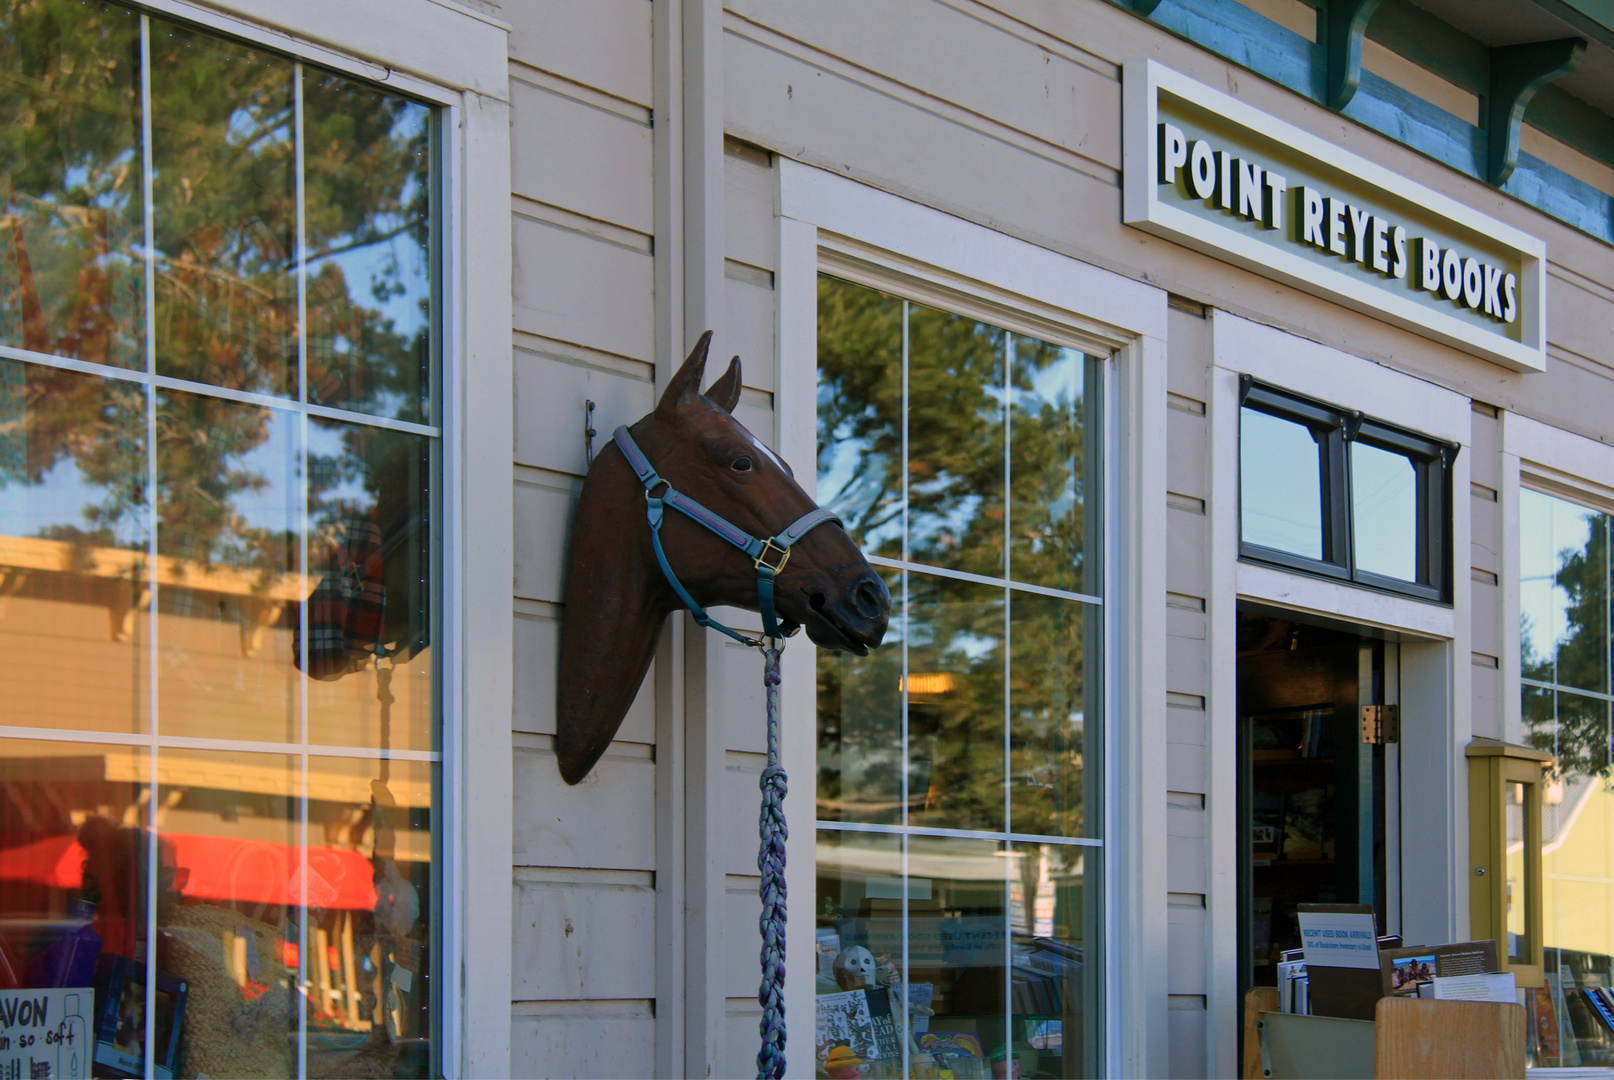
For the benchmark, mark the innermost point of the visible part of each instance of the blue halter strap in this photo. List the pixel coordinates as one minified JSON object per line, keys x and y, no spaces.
{"x":768,"y":556}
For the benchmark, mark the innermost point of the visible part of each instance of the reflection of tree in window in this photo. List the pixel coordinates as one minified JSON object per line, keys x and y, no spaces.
{"x":70,"y":203}
{"x":1573,"y":726}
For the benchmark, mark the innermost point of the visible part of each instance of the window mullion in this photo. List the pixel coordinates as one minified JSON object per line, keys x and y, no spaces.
{"x":149,"y":291}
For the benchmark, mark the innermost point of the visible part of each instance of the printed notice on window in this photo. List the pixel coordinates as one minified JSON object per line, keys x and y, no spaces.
{"x":46,"y":1033}
{"x":1345,"y":937}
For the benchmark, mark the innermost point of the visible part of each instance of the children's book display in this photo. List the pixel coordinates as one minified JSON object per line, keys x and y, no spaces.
{"x":859,"y":1032}
{"x":1345,"y":968}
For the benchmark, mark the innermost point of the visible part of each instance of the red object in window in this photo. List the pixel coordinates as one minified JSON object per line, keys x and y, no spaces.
{"x":219,"y":868}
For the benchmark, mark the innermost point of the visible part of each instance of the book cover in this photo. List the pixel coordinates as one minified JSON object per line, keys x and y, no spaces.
{"x":1600,"y":1009}
{"x":887,"y":1047}
{"x":1261,"y":926}
{"x":844,"y":1020}
{"x":1266,"y":825}
{"x":957,"y":1051}
{"x":1543,"y":1023}
{"x":1305,"y":825}
{"x":1275,"y":738}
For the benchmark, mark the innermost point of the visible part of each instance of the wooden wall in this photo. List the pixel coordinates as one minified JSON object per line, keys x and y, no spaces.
{"x":634,"y":893}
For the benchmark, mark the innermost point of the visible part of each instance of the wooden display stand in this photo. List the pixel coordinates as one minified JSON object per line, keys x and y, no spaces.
{"x":1411,"y":1038}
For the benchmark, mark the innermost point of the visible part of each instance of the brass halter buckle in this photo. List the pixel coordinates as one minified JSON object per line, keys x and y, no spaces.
{"x":762,"y":557}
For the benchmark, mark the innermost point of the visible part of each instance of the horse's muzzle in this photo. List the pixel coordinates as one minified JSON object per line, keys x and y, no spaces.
{"x":851,"y":619}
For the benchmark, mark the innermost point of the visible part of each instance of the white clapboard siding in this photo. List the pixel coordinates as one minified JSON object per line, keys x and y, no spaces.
{"x":606,"y":170}
{"x":601,"y":44}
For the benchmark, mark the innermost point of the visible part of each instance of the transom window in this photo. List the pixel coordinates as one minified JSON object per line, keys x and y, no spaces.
{"x":1334,"y":493}
{"x":219,"y":461}
{"x":957,"y":795}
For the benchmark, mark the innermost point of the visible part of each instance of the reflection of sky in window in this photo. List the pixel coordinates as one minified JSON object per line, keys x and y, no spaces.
{"x":850,"y":478}
{"x":1550,"y":530}
{"x":1384,"y":508}
{"x":1059,"y":387}
{"x":273,"y":507}
{"x":62,"y":499}
{"x":1280,"y":485}
{"x":328,"y":455}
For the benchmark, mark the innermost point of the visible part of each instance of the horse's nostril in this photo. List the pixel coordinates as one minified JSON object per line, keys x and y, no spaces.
{"x":816,"y":600}
{"x":870,"y":603}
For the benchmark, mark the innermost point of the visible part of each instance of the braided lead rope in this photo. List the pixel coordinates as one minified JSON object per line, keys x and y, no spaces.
{"x":771,"y":861}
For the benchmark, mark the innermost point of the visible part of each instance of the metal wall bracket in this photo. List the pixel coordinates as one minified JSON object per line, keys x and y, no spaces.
{"x":1343,"y":24}
{"x":1381,"y":724}
{"x":588,"y":431}
{"x":1517,"y":72}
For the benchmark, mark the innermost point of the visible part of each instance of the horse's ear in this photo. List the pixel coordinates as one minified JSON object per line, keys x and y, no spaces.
{"x":725,"y":392}
{"x":687,"y":382}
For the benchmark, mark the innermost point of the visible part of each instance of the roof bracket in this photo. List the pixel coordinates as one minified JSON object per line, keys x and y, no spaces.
{"x":1517,"y":72}
{"x":1343,"y":23}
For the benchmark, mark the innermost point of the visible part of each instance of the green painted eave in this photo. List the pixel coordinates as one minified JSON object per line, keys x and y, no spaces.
{"x":1594,"y":18}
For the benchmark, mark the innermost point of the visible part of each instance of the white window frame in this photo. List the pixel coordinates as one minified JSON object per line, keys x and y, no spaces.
{"x":1558,"y":463}
{"x":1432,"y":906}
{"x":458,"y":59}
{"x":819,"y":213}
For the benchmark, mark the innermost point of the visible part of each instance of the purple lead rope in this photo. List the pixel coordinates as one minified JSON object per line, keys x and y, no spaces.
{"x":771,"y":861}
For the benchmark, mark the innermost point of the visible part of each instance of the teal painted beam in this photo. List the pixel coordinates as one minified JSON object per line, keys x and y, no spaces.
{"x":1517,"y":72}
{"x":1233,"y":31}
{"x":1343,"y":24}
{"x":1594,"y":18}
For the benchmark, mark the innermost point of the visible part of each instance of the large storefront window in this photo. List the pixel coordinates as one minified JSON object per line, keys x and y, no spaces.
{"x":958,"y":844}
{"x":218,"y":479}
{"x":1564,"y":579}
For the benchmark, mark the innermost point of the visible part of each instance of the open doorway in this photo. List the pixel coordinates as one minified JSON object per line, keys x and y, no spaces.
{"x":1317,"y":791}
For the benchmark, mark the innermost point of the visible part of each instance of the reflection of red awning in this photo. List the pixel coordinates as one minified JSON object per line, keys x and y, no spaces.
{"x":217,"y":868}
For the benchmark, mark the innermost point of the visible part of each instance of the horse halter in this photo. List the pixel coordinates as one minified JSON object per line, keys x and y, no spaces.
{"x":761,"y":551}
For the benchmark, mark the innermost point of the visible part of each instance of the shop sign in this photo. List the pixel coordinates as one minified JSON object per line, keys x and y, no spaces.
{"x":1208,"y":171}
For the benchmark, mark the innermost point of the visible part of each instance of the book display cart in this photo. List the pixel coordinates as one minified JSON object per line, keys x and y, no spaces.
{"x":1407,"y":1039}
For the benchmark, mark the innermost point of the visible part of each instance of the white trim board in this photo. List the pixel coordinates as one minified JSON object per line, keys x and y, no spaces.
{"x":1350,"y":382}
{"x":919,"y":241}
{"x":1576,"y":456}
{"x":1142,"y":85}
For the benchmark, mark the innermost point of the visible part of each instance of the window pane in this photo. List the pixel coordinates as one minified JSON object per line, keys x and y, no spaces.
{"x":958,"y":945}
{"x":1050,"y":700}
{"x":1540,"y":606}
{"x":1518,"y":943}
{"x":73,"y":550}
{"x":1564,"y":597}
{"x":955,"y":704}
{"x":859,"y":947}
{"x":1280,"y":484}
{"x":70,"y":187}
{"x":227,"y":911}
{"x":72,"y":835}
{"x":1054,"y":924}
{"x":228,"y":539}
{"x":860,"y":412}
{"x":369,"y":612}
{"x":1053,"y":466}
{"x":1384,"y":512}
{"x":224,"y":194}
{"x":860,"y":755}
{"x":367,"y":188}
{"x":370,"y":905}
{"x":955,"y":442}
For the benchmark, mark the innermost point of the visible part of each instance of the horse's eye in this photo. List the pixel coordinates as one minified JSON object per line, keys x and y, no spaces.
{"x":741,"y":464}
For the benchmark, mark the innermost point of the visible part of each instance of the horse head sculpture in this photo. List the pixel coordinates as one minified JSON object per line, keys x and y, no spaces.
{"x":617,"y":593}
